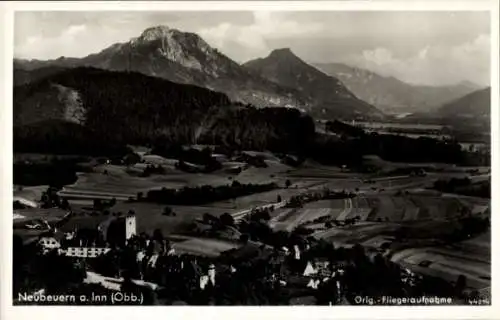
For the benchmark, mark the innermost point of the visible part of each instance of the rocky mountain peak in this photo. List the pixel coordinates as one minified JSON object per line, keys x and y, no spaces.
{"x":184,"y":48}
{"x":155,"y":33}
{"x":283,"y":53}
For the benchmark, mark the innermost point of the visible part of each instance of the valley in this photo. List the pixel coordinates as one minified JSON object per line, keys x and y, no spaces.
{"x":162,"y":161}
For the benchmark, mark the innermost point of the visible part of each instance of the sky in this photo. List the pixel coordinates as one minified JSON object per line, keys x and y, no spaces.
{"x":432,"y":48}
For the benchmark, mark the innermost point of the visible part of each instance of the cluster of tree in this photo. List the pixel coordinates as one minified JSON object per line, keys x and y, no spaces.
{"x":193,"y":168}
{"x":464,"y":186}
{"x":169,"y":212}
{"x":123,"y":108}
{"x":256,"y":161}
{"x":451,"y":184}
{"x":62,"y":137}
{"x":298,"y":201}
{"x":51,"y":199}
{"x":205,"y":193}
{"x":292,"y":161}
{"x":342,"y":128}
{"x":412,"y":171}
{"x":56,"y":174}
{"x":261,"y":214}
{"x":100,"y":204}
{"x":53,"y":272}
{"x":338,"y":223}
{"x":152,"y":169}
{"x":201,"y":157}
{"x":468,"y":227}
{"x":334,"y":151}
{"x":247,"y":128}
{"x":128,"y":106}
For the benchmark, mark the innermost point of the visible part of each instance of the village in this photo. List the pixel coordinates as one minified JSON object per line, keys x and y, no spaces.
{"x":99,"y":251}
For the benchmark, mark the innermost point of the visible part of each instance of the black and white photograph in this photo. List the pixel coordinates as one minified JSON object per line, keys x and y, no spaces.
{"x":251,"y":157}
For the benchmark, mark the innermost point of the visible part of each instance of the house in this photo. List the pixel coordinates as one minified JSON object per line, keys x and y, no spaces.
{"x":309,"y":270}
{"x":321,"y":269}
{"x":296,"y":252}
{"x":211,"y":273}
{"x":249,"y":252}
{"x":313,"y":283}
{"x":209,"y":278}
{"x":115,"y":230}
{"x":84,"y":252}
{"x":49,"y":243}
{"x":203,"y":281}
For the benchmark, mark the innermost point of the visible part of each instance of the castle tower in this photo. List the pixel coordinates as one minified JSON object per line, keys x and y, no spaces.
{"x":130,"y":227}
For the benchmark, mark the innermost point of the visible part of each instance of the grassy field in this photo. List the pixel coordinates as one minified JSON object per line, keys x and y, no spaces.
{"x":52,"y":214}
{"x":120,"y":181}
{"x":149,"y":216}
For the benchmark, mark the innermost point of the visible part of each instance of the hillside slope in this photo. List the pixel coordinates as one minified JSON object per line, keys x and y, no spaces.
{"x":128,"y":108}
{"x":475,"y":104}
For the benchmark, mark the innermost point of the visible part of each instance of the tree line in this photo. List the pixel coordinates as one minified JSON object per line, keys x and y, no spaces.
{"x":205,"y":194}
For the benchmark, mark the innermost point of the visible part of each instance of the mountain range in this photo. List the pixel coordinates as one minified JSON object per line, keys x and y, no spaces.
{"x":183,"y":58}
{"x":160,"y":80}
{"x":392,"y":95}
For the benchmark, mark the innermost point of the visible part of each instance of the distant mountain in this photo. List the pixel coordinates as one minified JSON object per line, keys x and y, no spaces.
{"x":330,"y":97}
{"x":476,"y":104}
{"x":183,"y":58}
{"x":92,"y":110}
{"x":392,"y":95}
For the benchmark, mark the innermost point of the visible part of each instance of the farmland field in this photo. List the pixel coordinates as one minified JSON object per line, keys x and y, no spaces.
{"x":289,"y":218}
{"x":258,"y":199}
{"x":414,"y":207}
{"x":31,"y":193}
{"x":203,"y":246}
{"x":451,"y":261}
{"x":119,"y":182}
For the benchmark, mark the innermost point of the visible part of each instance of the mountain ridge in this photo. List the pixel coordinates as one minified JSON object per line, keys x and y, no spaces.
{"x":186,"y":58}
{"x":391,"y":94}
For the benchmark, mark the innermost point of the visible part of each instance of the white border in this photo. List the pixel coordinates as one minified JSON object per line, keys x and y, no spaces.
{"x":290,"y":313}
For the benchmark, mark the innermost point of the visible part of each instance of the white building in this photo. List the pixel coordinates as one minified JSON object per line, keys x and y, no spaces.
{"x":85,"y":252}
{"x":203,"y":282}
{"x":309,"y":270}
{"x":49,"y":243}
{"x":313,"y":283}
